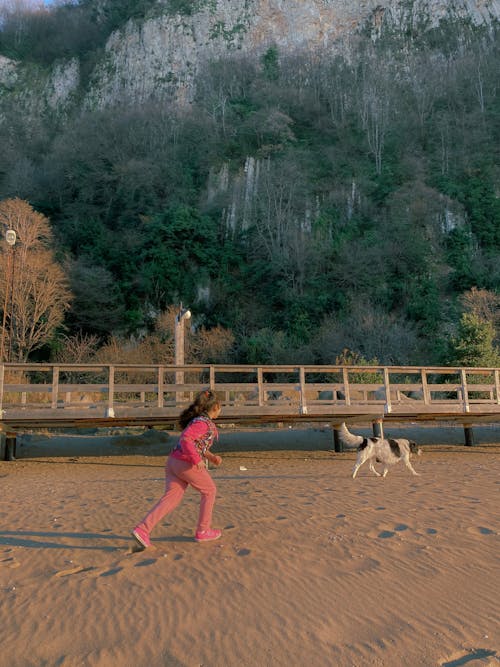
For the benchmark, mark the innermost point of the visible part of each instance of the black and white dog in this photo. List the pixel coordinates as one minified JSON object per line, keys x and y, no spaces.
{"x":381,"y":450}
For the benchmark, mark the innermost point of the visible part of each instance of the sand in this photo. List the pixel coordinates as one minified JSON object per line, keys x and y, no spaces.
{"x":313,"y":568}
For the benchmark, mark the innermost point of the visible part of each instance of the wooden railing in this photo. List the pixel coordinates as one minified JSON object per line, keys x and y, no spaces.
{"x":71,"y":390}
{"x":34,"y":396}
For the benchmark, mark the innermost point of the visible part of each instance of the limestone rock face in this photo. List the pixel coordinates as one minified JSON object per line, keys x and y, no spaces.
{"x":63,"y":82}
{"x":8,"y":73}
{"x":161,"y":56}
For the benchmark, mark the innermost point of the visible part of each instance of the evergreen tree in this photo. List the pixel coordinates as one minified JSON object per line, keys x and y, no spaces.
{"x":473,"y":345}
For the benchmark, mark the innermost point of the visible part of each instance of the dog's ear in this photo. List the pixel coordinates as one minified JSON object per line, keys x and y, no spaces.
{"x":413,"y":446}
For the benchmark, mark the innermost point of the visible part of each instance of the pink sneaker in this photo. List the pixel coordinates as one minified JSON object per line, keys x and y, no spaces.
{"x":142,"y":537}
{"x":207,"y":535}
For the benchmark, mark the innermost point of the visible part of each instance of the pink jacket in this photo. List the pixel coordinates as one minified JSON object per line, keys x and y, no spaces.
{"x":195,"y":440}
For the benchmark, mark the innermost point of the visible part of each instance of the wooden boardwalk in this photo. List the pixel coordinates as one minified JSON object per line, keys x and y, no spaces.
{"x":40,"y":396}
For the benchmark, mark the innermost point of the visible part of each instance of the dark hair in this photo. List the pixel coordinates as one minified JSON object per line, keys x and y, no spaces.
{"x":203,"y":402}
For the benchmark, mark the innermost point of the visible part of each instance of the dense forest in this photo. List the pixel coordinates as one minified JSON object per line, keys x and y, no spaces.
{"x":309,"y":208}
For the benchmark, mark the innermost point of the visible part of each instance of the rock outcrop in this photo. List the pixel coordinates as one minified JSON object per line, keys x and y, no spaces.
{"x":161,"y":56}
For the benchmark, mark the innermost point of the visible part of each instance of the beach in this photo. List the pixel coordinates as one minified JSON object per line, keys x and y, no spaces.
{"x":313,"y":568}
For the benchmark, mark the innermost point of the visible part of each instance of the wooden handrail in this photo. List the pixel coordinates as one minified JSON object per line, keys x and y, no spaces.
{"x":34,"y":396}
{"x":69,"y":389}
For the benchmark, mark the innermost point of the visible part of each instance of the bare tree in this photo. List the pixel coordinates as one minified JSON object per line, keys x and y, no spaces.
{"x":367,"y":332}
{"x":377,"y":92}
{"x":77,"y":349}
{"x":375,"y":119}
{"x":282,"y":218}
{"x":35,"y":296}
{"x":211,"y":346}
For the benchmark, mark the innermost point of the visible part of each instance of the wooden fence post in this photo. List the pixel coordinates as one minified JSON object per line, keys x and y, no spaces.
{"x":465,"y":391}
{"x":161,"y":382}
{"x":469,"y":435}
{"x":425,"y":387}
{"x":378,"y":428}
{"x":10,"y":447}
{"x":338,"y":445}
{"x":303,"y":399}
{"x":347,"y":392}
{"x":55,"y":386}
{"x":2,"y":376}
{"x":110,"y":412}
{"x":387,"y":387}
{"x":260,"y":386}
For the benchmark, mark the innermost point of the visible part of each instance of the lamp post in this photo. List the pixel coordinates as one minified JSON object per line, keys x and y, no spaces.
{"x":180,"y":319}
{"x":10,"y":237}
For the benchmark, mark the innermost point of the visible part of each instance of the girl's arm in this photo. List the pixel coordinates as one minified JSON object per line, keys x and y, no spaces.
{"x":188,"y":439}
{"x":213,"y":458}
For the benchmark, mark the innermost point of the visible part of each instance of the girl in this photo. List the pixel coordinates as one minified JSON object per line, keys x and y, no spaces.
{"x":186,"y":467}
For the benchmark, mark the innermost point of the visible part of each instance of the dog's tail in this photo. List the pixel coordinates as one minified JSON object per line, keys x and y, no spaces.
{"x":348,"y":439}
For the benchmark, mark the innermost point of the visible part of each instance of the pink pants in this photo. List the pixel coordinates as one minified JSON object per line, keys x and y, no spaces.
{"x":179,"y":475}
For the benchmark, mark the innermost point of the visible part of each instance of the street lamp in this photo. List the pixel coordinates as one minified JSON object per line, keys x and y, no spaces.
{"x":10,"y":237}
{"x":183,"y":315}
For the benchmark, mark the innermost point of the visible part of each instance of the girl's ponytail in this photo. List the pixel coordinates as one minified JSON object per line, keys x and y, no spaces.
{"x":203,"y":402}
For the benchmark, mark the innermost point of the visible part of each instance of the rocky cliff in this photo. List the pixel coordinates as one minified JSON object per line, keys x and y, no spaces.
{"x":161,"y":55}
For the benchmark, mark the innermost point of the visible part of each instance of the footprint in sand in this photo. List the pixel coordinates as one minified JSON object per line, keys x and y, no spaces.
{"x":243,"y":552}
{"x":482,"y":530}
{"x":400,"y":527}
{"x":76,"y":569}
{"x":9,"y":562}
{"x":145,"y":563}
{"x":108,"y":571}
{"x":111,"y":572}
{"x":122,"y":565}
{"x":387,"y":533}
{"x":384,"y":534}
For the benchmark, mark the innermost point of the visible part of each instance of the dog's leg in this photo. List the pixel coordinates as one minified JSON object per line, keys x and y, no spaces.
{"x":410,"y":468}
{"x":373,"y":469}
{"x":386,"y":470}
{"x":358,"y":465}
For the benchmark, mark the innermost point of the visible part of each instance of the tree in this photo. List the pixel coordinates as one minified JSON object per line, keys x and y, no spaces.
{"x":35,"y":296}
{"x":33,"y":31}
{"x":484,"y":304}
{"x":375,"y":107}
{"x":473,"y":345}
{"x":270,"y":63}
{"x":79,"y":348}
{"x":367,"y":332}
{"x":97,"y":305}
{"x":214,"y":346}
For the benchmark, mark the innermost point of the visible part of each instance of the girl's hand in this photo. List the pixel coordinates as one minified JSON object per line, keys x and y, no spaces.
{"x":217,"y":460}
